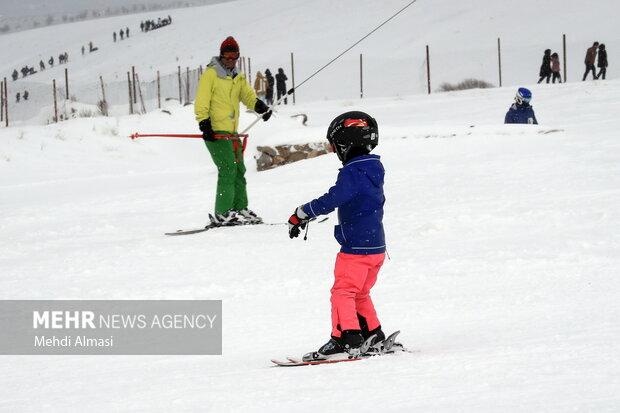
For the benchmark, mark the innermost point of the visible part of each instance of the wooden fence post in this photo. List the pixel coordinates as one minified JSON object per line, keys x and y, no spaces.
{"x":180,"y":90}
{"x":564,"y":49}
{"x":55,"y":102}
{"x":428,"y":70}
{"x":105,"y":102}
{"x":361,"y":78}
{"x":187,"y":85}
{"x":140,"y":93}
{"x":293,"y":75}
{"x":158,"y":92}
{"x":6,"y":103}
{"x":2,"y":101}
{"x":66,"y":83}
{"x":133,"y":81}
{"x":250,"y":70}
{"x":130,"y":95}
{"x":499,"y":60}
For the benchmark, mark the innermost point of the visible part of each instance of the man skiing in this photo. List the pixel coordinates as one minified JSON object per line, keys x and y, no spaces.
{"x":521,"y":111}
{"x":358,"y":195}
{"x":220,"y":90}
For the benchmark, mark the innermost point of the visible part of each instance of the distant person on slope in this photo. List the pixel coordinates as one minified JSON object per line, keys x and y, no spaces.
{"x":590,"y":60}
{"x":260,"y":86}
{"x":358,"y":195}
{"x":281,"y":85}
{"x":220,"y":90}
{"x":602,"y":61}
{"x":521,"y":111}
{"x":545,"y":67}
{"x":270,"y":83}
{"x":555,"y":68}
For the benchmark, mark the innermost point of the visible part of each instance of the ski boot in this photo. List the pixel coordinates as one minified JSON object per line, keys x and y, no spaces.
{"x":248,"y":217}
{"x":228,"y":218}
{"x":346,"y":346}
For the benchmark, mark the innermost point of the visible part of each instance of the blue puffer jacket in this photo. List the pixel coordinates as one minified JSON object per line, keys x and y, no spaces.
{"x":521,"y":114}
{"x":358,"y":195}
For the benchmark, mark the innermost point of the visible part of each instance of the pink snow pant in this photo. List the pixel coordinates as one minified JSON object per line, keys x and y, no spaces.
{"x":354,"y":277}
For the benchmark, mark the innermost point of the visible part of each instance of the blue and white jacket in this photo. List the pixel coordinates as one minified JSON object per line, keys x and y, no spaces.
{"x":521,"y":114}
{"x":358,"y":195}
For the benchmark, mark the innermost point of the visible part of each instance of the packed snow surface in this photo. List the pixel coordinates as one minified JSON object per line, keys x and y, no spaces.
{"x":503,"y":241}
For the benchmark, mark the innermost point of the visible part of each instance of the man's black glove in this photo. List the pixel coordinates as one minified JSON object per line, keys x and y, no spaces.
{"x":298,"y":220}
{"x":262,"y":109}
{"x":207,"y":130}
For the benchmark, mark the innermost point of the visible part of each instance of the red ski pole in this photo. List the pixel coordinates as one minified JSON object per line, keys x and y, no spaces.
{"x":225,"y":136}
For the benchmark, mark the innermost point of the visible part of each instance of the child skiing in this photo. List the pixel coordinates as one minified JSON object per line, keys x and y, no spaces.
{"x":358,"y":195}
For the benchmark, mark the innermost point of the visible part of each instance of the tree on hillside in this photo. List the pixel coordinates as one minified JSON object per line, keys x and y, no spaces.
{"x":49,"y":20}
{"x":4,"y":29}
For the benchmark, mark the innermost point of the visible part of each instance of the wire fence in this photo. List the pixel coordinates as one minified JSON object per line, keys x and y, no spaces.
{"x":95,"y":99}
{"x":355,"y":75}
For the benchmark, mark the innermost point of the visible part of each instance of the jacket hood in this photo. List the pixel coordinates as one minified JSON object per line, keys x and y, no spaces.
{"x":221,"y":71}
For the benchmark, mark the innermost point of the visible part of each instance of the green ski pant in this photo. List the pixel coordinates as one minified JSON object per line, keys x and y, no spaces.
{"x":231,"y":185}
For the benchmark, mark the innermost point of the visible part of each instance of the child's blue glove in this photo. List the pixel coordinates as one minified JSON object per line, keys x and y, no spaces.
{"x":298,"y":220}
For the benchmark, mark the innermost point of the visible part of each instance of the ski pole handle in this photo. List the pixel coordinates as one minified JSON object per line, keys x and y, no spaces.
{"x":276,"y":103}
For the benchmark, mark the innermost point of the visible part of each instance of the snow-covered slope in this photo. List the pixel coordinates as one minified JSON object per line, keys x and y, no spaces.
{"x":462,"y":36}
{"x":503,"y":274}
{"x":503,"y":240}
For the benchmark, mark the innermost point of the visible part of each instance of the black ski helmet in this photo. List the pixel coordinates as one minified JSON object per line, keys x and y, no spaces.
{"x":353,"y":133}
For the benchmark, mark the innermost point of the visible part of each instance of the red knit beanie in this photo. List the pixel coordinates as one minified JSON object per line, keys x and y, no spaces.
{"x":229,"y":45}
